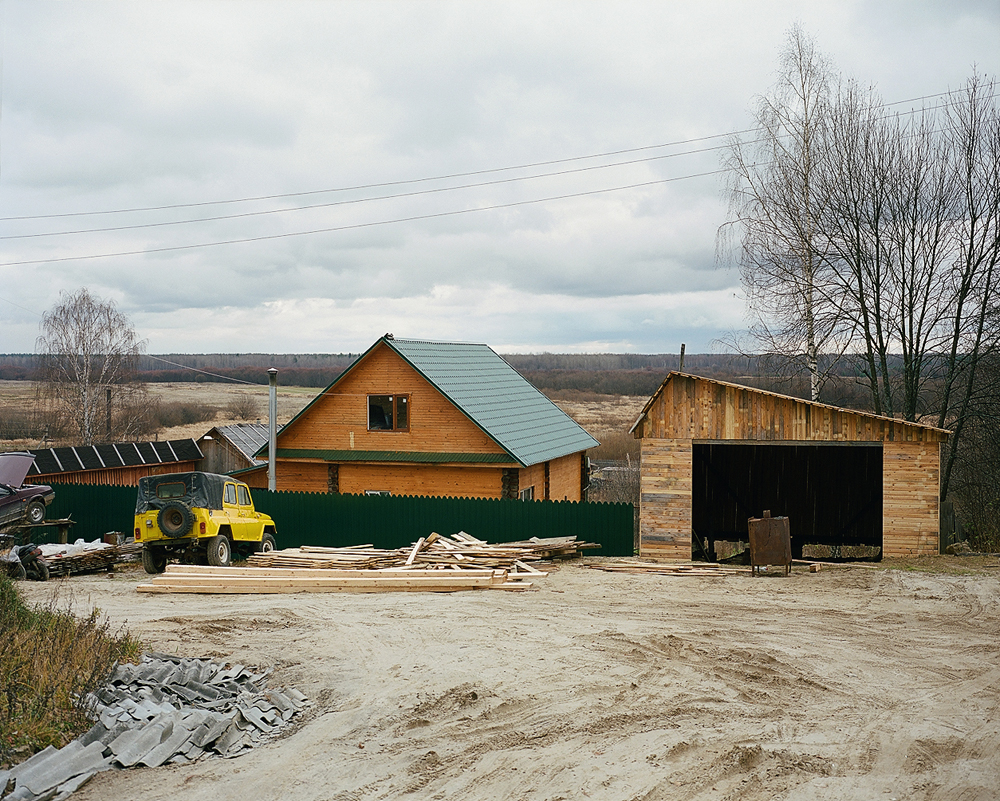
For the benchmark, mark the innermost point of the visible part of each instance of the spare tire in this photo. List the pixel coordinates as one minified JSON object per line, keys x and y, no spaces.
{"x":175,"y":519}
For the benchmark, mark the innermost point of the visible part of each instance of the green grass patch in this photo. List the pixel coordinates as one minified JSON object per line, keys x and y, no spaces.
{"x":50,"y":659}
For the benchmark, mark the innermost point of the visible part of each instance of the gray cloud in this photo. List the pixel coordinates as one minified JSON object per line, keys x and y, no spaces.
{"x":124,"y":105}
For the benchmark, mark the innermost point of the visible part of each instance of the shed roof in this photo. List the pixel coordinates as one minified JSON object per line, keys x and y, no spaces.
{"x":888,"y":424}
{"x":492,"y":394}
{"x":49,"y":461}
{"x":247,"y":438}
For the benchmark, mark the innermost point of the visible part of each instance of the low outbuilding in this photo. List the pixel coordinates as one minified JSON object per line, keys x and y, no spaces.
{"x":714,"y":454}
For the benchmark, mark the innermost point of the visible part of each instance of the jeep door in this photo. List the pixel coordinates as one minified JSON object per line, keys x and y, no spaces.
{"x":252,"y":528}
{"x":231,"y":513}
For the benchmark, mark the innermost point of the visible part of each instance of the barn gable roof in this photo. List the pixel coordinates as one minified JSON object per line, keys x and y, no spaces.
{"x":490,"y":393}
{"x":877,"y":426}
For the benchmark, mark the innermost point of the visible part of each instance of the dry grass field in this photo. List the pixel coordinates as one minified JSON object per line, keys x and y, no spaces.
{"x":606,"y":418}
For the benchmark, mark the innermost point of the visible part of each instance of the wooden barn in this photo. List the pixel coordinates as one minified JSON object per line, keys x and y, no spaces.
{"x":431,"y":418}
{"x":228,"y":449}
{"x":119,"y":464}
{"x":714,"y":454}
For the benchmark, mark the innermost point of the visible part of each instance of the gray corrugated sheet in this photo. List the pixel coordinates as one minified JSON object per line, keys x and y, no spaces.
{"x":51,"y":461}
{"x":248,"y":437}
{"x":496,"y":398}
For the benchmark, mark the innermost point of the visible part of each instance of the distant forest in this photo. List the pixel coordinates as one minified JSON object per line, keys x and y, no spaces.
{"x":554,"y":374}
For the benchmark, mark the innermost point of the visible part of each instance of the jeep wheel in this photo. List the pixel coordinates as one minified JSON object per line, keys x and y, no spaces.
{"x":219,"y":551}
{"x":266,"y":544}
{"x":175,"y":519}
{"x":153,"y":561}
{"x":35,"y":513}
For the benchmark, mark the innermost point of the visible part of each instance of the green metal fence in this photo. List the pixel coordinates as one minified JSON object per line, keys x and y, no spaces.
{"x":385,"y":521}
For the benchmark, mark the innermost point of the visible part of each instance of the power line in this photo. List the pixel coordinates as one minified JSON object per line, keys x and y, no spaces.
{"x":333,"y":204}
{"x":427,"y":179}
{"x":356,"y":226}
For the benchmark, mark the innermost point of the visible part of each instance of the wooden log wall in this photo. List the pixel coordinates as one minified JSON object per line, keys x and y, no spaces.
{"x":665,"y":500}
{"x":910,"y":498}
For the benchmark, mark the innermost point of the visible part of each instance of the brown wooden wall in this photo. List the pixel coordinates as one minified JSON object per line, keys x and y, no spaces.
{"x":665,"y":499}
{"x":115,"y":476}
{"x":700,"y":409}
{"x":422,"y":479}
{"x":566,"y":478}
{"x":910,"y":497}
{"x":533,"y":476}
{"x":436,"y":426}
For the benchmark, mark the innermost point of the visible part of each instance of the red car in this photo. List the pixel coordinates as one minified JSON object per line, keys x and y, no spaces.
{"x":20,"y":502}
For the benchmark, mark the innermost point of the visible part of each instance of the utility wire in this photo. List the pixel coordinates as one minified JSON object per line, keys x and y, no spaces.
{"x":361,"y":225}
{"x":335,"y":203}
{"x":427,"y":179}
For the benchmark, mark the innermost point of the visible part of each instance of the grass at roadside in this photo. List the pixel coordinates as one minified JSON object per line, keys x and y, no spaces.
{"x":49,"y":660}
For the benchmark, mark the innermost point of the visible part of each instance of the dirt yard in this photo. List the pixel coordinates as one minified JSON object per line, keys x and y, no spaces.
{"x":858,"y":683}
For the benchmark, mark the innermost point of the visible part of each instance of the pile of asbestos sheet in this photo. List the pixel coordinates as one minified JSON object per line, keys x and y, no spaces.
{"x":165,"y":709}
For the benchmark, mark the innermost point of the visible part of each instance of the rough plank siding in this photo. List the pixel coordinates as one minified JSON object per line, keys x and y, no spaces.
{"x":665,"y":499}
{"x":435,"y":424}
{"x":565,"y":478}
{"x":114,"y":476}
{"x":692,"y":408}
{"x":432,"y":480}
{"x":910,"y":492}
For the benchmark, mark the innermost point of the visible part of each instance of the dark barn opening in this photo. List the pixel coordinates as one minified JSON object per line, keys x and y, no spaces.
{"x":831,"y":494}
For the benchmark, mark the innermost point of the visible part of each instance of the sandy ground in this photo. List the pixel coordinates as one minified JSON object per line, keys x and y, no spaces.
{"x":847,"y":684}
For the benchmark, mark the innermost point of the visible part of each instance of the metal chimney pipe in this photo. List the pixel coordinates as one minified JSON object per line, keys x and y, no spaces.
{"x":272,"y":426}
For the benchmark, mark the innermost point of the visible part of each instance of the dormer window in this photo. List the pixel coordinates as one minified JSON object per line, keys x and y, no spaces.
{"x":388,"y":412}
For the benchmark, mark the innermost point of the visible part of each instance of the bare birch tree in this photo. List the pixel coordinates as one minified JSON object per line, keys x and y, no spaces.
{"x":775,"y":210}
{"x":89,"y":351}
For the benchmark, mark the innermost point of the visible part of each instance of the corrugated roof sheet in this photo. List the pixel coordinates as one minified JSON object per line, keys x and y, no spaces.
{"x":96,"y":457}
{"x":497,"y":398}
{"x":248,"y":437}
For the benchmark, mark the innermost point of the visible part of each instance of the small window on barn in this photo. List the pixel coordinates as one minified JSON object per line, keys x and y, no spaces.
{"x":378,"y":492}
{"x":527,"y":494}
{"x":388,"y":412}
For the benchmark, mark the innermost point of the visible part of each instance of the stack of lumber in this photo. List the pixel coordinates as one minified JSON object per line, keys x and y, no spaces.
{"x":256,"y":580}
{"x":669,"y":569}
{"x":460,"y":551}
{"x":100,"y":559}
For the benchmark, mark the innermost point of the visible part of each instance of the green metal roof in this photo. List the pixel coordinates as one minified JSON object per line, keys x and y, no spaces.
{"x":420,"y":457}
{"x":491,"y":393}
{"x":497,"y":398}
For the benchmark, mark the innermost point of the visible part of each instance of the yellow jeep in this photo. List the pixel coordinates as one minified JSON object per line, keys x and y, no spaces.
{"x":199,"y":518}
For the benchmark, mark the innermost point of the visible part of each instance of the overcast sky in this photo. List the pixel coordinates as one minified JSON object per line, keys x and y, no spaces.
{"x":122,"y":106}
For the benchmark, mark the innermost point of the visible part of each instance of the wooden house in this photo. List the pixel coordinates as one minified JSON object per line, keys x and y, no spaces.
{"x":714,"y":454}
{"x":431,"y":418}
{"x":119,"y":464}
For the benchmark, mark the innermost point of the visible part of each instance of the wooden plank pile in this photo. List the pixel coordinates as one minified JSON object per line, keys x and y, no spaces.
{"x":460,"y":551}
{"x":99,"y":559}
{"x":671,"y":569}
{"x":262,"y":580}
{"x":432,"y":564}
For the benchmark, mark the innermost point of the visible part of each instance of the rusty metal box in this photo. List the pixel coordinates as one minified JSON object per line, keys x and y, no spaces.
{"x":770,"y":543}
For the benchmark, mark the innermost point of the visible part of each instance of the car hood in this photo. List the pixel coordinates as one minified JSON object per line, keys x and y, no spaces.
{"x":14,"y":467}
